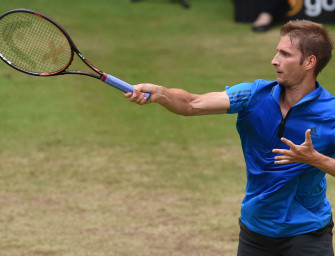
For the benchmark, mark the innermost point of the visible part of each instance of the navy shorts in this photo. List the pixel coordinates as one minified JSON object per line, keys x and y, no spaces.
{"x":316,"y":243}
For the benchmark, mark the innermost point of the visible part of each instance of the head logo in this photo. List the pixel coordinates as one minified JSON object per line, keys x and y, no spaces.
{"x":54,"y":52}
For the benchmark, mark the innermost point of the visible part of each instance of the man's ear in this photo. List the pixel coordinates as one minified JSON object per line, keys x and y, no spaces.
{"x":310,"y":62}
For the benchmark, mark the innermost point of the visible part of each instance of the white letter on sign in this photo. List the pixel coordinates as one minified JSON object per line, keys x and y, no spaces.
{"x":328,"y":7}
{"x":313,"y":10}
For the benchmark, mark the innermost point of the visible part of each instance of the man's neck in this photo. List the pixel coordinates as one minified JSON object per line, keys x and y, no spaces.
{"x":292,"y":95}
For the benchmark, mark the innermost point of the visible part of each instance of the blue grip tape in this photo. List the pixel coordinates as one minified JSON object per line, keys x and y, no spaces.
{"x":119,"y":84}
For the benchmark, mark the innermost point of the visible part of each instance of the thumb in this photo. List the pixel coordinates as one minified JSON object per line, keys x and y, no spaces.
{"x":308,"y":138}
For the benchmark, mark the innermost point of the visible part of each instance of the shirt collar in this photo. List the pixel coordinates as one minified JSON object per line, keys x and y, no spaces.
{"x":276,"y":90}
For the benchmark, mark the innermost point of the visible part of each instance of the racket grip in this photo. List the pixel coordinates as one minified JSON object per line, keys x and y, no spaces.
{"x":119,"y":84}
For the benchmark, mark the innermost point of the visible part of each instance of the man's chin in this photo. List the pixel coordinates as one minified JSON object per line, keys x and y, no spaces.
{"x":280,"y":81}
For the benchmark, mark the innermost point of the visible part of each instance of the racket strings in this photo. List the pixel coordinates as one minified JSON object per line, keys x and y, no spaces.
{"x":34,"y":44}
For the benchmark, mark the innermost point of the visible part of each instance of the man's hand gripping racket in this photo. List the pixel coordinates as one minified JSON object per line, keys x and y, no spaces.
{"x":36,"y":45}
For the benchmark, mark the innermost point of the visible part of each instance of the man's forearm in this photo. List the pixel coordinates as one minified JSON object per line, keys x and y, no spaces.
{"x":177,"y":101}
{"x":322,"y":162}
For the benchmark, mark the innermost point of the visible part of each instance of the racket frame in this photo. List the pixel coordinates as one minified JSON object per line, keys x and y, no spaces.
{"x":73,"y":47}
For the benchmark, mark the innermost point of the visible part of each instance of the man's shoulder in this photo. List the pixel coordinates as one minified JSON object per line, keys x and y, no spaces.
{"x":255,"y":86}
{"x":265,"y":83}
{"x":261,"y":87}
{"x":325,"y":104}
{"x":243,"y":96}
{"x":326,"y":95}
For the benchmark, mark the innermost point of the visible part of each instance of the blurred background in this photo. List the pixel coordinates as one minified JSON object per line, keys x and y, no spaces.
{"x":84,"y":172}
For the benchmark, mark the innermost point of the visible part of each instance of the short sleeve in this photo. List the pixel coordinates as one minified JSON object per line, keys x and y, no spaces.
{"x":239,"y":96}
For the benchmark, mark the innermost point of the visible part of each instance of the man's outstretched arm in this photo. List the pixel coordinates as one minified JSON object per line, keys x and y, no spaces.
{"x":180,"y":101}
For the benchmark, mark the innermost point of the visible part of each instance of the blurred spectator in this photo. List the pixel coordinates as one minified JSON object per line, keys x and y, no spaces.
{"x":261,"y":13}
{"x":269,"y":11}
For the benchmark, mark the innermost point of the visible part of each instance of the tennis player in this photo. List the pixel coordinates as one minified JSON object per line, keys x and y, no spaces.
{"x":287,"y":131}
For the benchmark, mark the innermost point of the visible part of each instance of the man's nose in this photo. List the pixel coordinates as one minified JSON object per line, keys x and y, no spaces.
{"x":274,"y":61}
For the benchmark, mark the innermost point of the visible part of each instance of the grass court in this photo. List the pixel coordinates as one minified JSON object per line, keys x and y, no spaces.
{"x":84,"y":172}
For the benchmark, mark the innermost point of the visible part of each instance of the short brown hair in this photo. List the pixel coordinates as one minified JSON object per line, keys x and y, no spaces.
{"x":314,"y":39}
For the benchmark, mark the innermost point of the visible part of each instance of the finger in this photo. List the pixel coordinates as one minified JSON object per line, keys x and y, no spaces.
{"x":308,"y":137}
{"x":144,"y":101}
{"x":135,"y":95}
{"x":139,"y":93}
{"x":127,"y":95}
{"x":282,"y":162}
{"x":133,"y":98}
{"x":288,"y":142}
{"x":138,"y":100}
{"x":280,"y":151}
{"x":143,"y":88}
{"x":282,"y":157}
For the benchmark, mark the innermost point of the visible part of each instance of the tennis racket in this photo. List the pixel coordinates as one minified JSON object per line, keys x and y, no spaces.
{"x":36,"y":45}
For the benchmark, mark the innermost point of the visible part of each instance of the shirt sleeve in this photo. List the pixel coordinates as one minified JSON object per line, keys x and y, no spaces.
{"x":239,"y":96}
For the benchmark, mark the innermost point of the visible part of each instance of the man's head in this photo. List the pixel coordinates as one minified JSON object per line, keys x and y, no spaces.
{"x":312,"y":39}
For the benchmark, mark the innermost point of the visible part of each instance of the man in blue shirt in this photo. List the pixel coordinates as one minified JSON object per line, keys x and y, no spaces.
{"x":285,"y":211}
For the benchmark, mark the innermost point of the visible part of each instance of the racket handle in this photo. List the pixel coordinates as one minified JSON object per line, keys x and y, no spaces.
{"x":119,"y":84}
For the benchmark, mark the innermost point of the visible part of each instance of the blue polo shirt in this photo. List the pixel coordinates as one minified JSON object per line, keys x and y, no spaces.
{"x":282,"y":200}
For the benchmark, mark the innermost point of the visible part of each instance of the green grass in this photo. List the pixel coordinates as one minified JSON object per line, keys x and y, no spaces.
{"x":85,"y":172}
